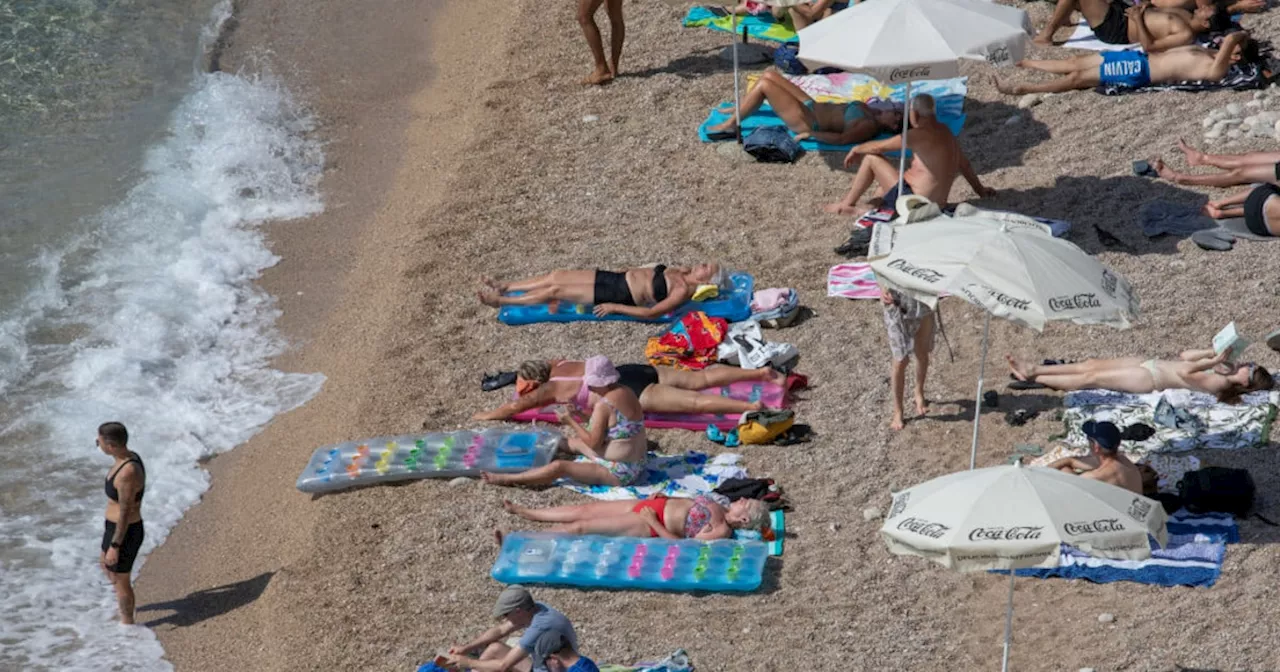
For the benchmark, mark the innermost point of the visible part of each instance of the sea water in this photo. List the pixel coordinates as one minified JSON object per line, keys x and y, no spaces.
{"x":133,"y":189}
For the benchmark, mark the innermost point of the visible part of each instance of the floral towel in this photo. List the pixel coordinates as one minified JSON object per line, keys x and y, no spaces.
{"x":686,"y":475}
{"x":678,"y":661}
{"x":1221,"y":426}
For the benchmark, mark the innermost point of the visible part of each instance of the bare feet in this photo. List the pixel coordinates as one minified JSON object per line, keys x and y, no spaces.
{"x":896,"y":424}
{"x":597,"y":77}
{"x":494,"y":479}
{"x":489,"y":298}
{"x":1194,"y":156}
{"x":842,"y":209}
{"x":729,"y":126}
{"x":510,"y":507}
{"x":1164,"y":171}
{"x":1006,"y":88}
{"x":1044,"y":40}
{"x":758,"y":406}
{"x":497,"y":536}
{"x":1214,"y":211}
{"x":493,"y":284}
{"x":1018,"y":370}
{"x":922,"y":406}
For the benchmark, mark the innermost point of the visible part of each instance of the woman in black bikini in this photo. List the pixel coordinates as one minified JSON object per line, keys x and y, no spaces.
{"x":122,"y":536}
{"x":661,"y":389}
{"x":1258,"y":206}
{"x":643,"y":293}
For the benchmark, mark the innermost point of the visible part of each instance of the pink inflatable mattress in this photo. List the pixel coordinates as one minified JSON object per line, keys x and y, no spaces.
{"x":771,"y":394}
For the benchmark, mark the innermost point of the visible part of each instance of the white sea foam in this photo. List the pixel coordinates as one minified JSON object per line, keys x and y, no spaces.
{"x":153,"y":320}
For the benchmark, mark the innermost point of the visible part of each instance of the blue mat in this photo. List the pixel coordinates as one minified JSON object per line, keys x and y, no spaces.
{"x":734,"y":306}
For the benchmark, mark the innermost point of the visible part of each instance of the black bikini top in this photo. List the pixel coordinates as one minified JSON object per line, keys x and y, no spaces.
{"x":659,"y":283}
{"x":112,"y":493}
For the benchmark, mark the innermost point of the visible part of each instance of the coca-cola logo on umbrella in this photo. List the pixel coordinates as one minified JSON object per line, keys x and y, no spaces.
{"x":902,"y":74}
{"x":899,"y":504}
{"x":924,"y":528}
{"x":999,"y":55}
{"x":1062,"y":304}
{"x":1139,"y":509}
{"x":1016,"y":533}
{"x":908,"y":268}
{"x":1100,"y":526}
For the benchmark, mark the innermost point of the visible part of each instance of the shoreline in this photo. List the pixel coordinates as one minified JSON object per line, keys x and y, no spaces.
{"x":493,"y":167}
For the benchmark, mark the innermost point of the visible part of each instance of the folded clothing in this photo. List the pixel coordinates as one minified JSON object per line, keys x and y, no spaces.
{"x":733,"y":304}
{"x":771,"y":394}
{"x":685,"y":475}
{"x":759,"y":26}
{"x":690,"y":343}
{"x":745,"y":346}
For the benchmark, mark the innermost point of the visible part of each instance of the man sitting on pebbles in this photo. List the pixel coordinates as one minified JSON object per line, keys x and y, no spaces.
{"x":1104,"y":462}
{"x":936,"y":162}
{"x":517,"y":611}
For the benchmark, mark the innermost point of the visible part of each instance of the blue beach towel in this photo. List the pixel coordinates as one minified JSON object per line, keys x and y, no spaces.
{"x":1197,"y":546}
{"x":949,"y":95}
{"x":763,"y":27}
{"x":733,"y":305}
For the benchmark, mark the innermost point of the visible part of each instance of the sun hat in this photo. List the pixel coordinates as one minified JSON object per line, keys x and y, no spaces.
{"x":599,"y":372}
{"x":513,"y":598}
{"x":1105,"y":434}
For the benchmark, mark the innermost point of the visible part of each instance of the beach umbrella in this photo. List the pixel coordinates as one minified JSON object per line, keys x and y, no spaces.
{"x":1011,"y":517}
{"x":737,"y":91}
{"x":899,"y":41}
{"x":1010,"y":265}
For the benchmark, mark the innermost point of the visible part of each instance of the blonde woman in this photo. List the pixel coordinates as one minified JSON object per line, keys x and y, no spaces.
{"x":642,"y":293}
{"x":702,"y":517}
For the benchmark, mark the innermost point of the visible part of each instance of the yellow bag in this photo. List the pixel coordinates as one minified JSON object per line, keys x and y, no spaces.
{"x":760,"y":427}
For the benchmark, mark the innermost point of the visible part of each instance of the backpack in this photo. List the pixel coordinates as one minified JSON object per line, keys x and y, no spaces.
{"x":759,"y":427}
{"x":1217,"y":489}
{"x":772,"y":144}
{"x":786,"y":58}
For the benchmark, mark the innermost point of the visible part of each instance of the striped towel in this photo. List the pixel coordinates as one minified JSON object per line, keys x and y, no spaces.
{"x":687,"y":475}
{"x":852,"y":281}
{"x":1197,"y":545}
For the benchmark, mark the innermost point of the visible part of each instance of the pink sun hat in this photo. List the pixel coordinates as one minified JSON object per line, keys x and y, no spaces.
{"x":599,"y":372}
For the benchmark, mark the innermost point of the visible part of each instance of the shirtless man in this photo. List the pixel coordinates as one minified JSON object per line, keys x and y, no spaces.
{"x":1104,"y":462}
{"x":1136,"y":69}
{"x":935,"y":164}
{"x":122,"y":536}
{"x":1248,"y":168}
{"x":1156,"y":29}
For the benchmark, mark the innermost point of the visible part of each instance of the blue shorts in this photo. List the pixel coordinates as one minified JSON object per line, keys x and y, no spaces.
{"x":1124,"y":68}
{"x":890,"y":197}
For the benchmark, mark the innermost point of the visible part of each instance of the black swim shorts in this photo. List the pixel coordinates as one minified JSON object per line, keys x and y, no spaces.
{"x":1114,"y":29}
{"x":128,"y":548}
{"x":612,"y":287}
{"x":638,"y":377}
{"x":1254,"y":215}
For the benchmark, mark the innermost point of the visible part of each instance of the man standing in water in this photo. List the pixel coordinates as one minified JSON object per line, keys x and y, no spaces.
{"x":122,"y":536}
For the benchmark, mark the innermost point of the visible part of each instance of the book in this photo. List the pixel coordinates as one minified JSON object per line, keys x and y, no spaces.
{"x":1230,"y":341}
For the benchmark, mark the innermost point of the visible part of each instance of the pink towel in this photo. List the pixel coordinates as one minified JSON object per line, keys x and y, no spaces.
{"x":852,"y":281}
{"x":769,"y":299}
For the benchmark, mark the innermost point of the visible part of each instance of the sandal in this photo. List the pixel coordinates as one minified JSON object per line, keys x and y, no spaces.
{"x":1016,"y":384}
{"x":494,"y":381}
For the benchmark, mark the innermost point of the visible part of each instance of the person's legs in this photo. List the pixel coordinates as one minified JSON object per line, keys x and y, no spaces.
{"x":923,"y":348}
{"x":1061,"y":14}
{"x":1073,"y":81}
{"x":1135,"y":379}
{"x":586,"y":19}
{"x":897,"y":385}
{"x":874,"y":168}
{"x":124,"y":595}
{"x":582,"y":472}
{"x":617,"y":32}
{"x":1060,"y":66}
{"x":1196,"y":157}
{"x":498,"y":651}
{"x":786,"y":99}
{"x":569,"y":514}
{"x":714,"y":376}
{"x":1033,"y":372}
{"x":626,"y":525}
{"x":554,"y":278}
{"x":1248,"y":174}
{"x":666,"y":399}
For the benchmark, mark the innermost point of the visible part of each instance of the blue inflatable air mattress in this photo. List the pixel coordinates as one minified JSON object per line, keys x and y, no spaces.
{"x":733,"y":306}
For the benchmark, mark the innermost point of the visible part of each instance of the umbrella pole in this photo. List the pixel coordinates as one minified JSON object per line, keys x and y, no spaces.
{"x":1008,"y":626}
{"x":977,"y":400}
{"x":737,"y":97}
{"x":902,"y":158}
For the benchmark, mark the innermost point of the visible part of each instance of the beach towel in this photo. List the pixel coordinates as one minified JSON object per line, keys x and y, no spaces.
{"x":1169,"y":468}
{"x":1239,"y":78}
{"x":1197,"y":546}
{"x":762,"y":27}
{"x":852,"y":281}
{"x":1215,"y":425}
{"x":844,"y":87}
{"x":686,"y":475}
{"x":678,"y":661}
{"x":733,"y":305}
{"x":777,"y":523}
{"x":1083,"y":38}
{"x":772,"y":394}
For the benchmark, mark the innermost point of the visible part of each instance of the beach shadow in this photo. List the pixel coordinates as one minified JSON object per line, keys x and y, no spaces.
{"x":205,"y":604}
{"x":1009,"y":403}
{"x":991,"y":142}
{"x":1111,"y":223}
{"x":696,"y":65}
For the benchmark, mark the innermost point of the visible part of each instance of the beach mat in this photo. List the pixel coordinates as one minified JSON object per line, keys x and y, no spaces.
{"x":684,"y":475}
{"x":1193,"y":557}
{"x":1215,"y":425}
{"x":734,"y":306}
{"x":772,"y":394}
{"x":949,"y":95}
{"x":634,"y":563}
{"x":763,"y":27}
{"x":777,"y":523}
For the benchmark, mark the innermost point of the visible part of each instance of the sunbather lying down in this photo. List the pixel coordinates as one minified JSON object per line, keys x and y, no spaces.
{"x":1136,"y":69}
{"x":643,"y":293}
{"x":1247,"y":168}
{"x":661,"y":389}
{"x":830,"y":123}
{"x":703,"y":517}
{"x":1199,"y":370}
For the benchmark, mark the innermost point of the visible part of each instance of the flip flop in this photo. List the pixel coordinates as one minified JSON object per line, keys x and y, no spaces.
{"x":716,"y":136}
{"x":1214,"y":240}
{"x":494,"y":381}
{"x":1144,"y":169}
{"x":1273,"y":340}
{"x":1015,"y":384}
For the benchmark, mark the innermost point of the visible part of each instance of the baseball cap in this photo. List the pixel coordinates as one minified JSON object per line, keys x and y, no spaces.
{"x":1105,"y":434}
{"x":599,"y":372}
{"x":513,"y":598}
{"x":548,"y":643}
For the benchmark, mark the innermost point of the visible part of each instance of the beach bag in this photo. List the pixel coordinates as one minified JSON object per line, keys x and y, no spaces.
{"x":1217,"y":489}
{"x":772,"y":144}
{"x":764,"y":426}
{"x":786,"y":58}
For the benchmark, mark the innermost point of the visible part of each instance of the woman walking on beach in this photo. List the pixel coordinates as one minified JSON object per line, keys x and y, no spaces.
{"x":604,"y":71}
{"x":122,"y":536}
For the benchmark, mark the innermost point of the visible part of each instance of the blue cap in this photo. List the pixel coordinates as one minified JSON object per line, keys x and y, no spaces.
{"x":1105,"y":434}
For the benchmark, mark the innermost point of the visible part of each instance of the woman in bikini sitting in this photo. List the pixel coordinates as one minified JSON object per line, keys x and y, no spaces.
{"x":643,"y":293}
{"x":1199,"y":370}
{"x":703,"y":517}
{"x":616,"y":425}
{"x":660,"y":389}
{"x":830,"y":123}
